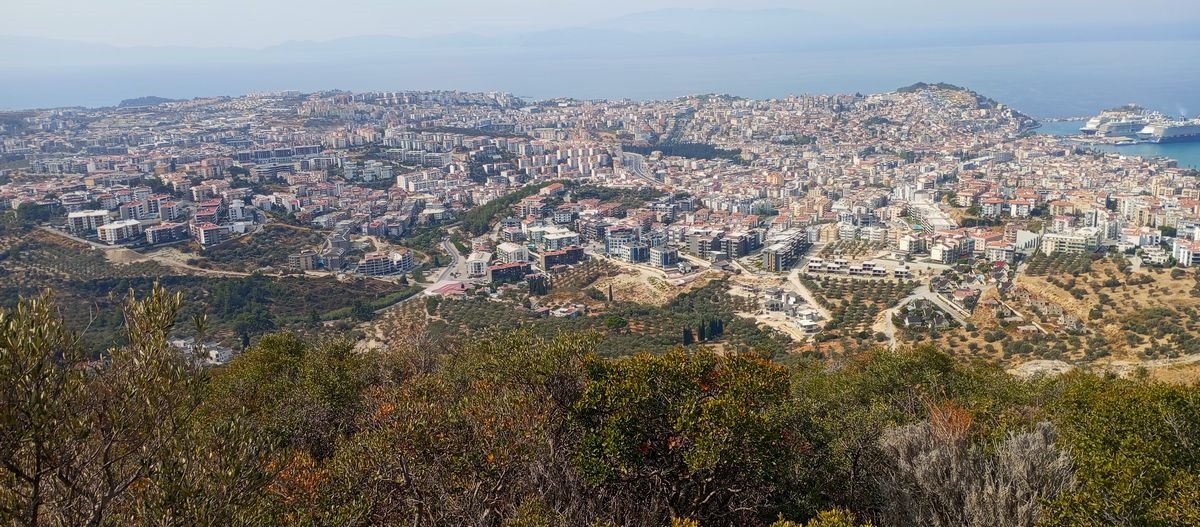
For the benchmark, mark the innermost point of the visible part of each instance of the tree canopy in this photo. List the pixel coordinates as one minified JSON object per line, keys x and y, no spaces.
{"x":511,"y":428}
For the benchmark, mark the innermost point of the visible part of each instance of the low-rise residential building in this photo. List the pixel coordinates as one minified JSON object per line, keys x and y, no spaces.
{"x":1000,"y":252}
{"x":207,"y":215}
{"x":508,"y":272}
{"x":208,"y":233}
{"x":664,"y":257}
{"x":1141,"y":236}
{"x":133,"y":210}
{"x":398,"y":261}
{"x":169,"y":210}
{"x":402,"y":260}
{"x":305,"y":260}
{"x":119,"y":231}
{"x":477,"y":264}
{"x":375,"y":264}
{"x":509,"y":252}
{"x":166,"y":233}
{"x":86,"y":221}
{"x":1186,"y":253}
{"x":1077,"y":241}
{"x":634,"y":252}
{"x":784,"y":250}
{"x":1155,"y":255}
{"x":568,"y":256}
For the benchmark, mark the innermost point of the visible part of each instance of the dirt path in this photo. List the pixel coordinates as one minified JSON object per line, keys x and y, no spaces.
{"x":780,"y":323}
{"x":883,"y":322}
{"x":794,"y":279}
{"x":168,"y":257}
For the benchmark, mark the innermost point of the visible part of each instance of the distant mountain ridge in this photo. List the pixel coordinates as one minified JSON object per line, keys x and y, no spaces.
{"x":654,"y":54}
{"x":676,"y":31}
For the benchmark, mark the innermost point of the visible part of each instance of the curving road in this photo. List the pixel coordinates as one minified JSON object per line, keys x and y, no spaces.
{"x":455,"y":271}
{"x":953,"y":311}
{"x":883,"y":324}
{"x":794,"y":279}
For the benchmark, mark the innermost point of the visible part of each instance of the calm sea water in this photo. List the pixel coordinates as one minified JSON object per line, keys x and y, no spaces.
{"x":1061,"y":128}
{"x":1047,"y":80}
{"x":1187,"y":154}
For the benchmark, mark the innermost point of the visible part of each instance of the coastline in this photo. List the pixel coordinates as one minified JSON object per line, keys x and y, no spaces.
{"x":1186,"y":155}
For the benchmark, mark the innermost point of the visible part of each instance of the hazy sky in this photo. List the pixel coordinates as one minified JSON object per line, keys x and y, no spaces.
{"x":213,"y":23}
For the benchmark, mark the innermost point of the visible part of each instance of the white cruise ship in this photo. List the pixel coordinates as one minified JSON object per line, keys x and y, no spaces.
{"x":1137,"y":123}
{"x":1125,"y":121}
{"x":1171,"y":132}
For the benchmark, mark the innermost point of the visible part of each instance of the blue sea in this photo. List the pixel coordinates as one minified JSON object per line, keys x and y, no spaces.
{"x":1043,"y":80}
{"x":1187,"y":154}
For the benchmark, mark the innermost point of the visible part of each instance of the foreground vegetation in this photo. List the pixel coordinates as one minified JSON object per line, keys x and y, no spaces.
{"x":514,"y":429}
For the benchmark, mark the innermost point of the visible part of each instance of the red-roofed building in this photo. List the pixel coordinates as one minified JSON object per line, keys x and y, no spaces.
{"x":208,"y":233}
{"x":206,"y":216}
{"x":454,"y":289}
